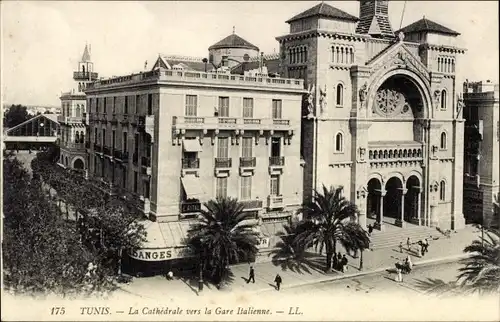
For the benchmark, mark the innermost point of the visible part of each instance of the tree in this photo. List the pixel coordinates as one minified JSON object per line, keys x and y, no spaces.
{"x":223,"y":235}
{"x":329,"y":219}
{"x":41,"y":252}
{"x":480,"y":272}
{"x":16,"y":114}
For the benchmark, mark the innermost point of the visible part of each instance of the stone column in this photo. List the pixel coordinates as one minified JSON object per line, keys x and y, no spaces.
{"x":419,"y":202}
{"x":401,"y":222}
{"x":380,"y":223}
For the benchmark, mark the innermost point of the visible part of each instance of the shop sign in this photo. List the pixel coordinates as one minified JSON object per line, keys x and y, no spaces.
{"x":264,"y":242}
{"x":161,"y":254}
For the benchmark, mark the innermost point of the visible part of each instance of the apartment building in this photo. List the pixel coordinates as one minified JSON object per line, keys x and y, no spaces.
{"x":173,"y":139}
{"x":481,"y":149}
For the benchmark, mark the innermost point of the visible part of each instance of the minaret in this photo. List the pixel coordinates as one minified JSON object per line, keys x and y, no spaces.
{"x":85,"y":74}
{"x":374,"y":19}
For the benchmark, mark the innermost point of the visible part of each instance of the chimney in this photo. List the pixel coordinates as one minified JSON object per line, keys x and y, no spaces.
{"x":374,"y":19}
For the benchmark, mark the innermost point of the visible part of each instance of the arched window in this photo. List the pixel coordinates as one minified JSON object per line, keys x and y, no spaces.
{"x":77,"y":137}
{"x":78,"y":110}
{"x":443,"y":99}
{"x":82,"y":137}
{"x":83,"y":69}
{"x":339,"y":143}
{"x":340,"y":95}
{"x":442,"y":191}
{"x":443,"y":141}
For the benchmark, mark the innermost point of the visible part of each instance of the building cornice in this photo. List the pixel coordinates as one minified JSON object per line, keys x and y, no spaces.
{"x":322,"y":33}
{"x":443,"y":48}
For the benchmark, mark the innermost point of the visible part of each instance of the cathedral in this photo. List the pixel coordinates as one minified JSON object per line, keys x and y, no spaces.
{"x":382,"y":118}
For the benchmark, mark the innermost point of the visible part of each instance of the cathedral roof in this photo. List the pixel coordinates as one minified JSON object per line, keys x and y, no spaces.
{"x":233,"y":41}
{"x":86,"y":54}
{"x":426,"y":25}
{"x":324,"y":10}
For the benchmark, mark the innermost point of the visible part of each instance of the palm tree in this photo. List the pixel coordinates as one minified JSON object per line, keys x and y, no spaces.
{"x":224,"y":235}
{"x":329,"y":218}
{"x":480,"y":273}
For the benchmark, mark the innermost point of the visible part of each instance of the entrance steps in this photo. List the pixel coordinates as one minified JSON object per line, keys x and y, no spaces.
{"x":392,"y":235}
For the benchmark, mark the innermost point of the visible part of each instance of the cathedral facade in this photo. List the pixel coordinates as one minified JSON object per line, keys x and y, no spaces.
{"x":382,"y":118}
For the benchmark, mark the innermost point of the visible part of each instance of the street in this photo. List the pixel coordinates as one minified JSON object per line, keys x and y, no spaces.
{"x":382,"y":282}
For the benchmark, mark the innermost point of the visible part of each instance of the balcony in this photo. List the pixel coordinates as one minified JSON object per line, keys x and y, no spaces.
{"x":121,"y":156}
{"x":85,"y":76}
{"x":146,"y":165}
{"x":251,"y":205}
{"x":135,"y":158}
{"x":230,"y":123}
{"x":223,"y":163}
{"x":191,"y":163}
{"x":190,"y":207}
{"x":146,"y":124}
{"x":248,"y":162}
{"x":275,"y":202}
{"x":125,"y":120}
{"x":276,"y":161}
{"x":114,"y":120}
{"x":69,"y":119}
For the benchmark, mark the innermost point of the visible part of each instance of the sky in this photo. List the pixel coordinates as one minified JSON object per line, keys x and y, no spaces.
{"x":43,"y":41}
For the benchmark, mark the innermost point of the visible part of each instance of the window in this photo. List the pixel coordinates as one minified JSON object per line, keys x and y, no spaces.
{"x":150,"y":104}
{"x":224,"y":61}
{"x":221,"y":188}
{"x":125,"y":108}
{"x":97,"y":108}
{"x":223,"y":148}
{"x":246,"y":147}
{"x":95,"y":135}
{"x":113,"y":139}
{"x":124,"y":177}
{"x":105,"y":106}
{"x":224,"y":106}
{"x":443,"y":141}
{"x":248,"y":107}
{"x":275,"y":147}
{"x":191,"y":105}
{"x":442,"y":191}
{"x":443,"y":99}
{"x":339,"y":143}
{"x":124,"y":142}
{"x":135,"y":181}
{"x":77,"y":137}
{"x":137,"y":103}
{"x":275,"y":185}
{"x":113,"y":106}
{"x":103,"y":137}
{"x":78,"y":111}
{"x":277,"y":109}
{"x":146,"y":189}
{"x":246,"y":188}
{"x":340,"y":95}
{"x":82,"y":137}
{"x":136,"y":144}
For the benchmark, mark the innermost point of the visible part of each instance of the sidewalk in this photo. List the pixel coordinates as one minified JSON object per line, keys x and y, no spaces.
{"x":443,"y":249}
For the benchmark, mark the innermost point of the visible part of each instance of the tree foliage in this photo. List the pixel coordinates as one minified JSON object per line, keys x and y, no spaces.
{"x":329,"y":218}
{"x":224,"y":235}
{"x":16,"y":114}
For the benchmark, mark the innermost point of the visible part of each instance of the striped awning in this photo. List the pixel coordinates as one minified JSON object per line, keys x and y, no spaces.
{"x":193,"y":187}
{"x":192,"y":145}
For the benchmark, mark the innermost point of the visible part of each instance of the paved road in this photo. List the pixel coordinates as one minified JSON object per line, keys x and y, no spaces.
{"x":382,"y":282}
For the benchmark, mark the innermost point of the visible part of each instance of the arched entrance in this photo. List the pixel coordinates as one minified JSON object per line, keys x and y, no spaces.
{"x":413,"y":201}
{"x":393,"y":201}
{"x":374,"y":200}
{"x":78,"y":164}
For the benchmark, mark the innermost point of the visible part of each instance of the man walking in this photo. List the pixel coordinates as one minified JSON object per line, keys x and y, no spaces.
{"x":401,"y":247}
{"x":408,"y":243}
{"x":278,"y":281}
{"x":426,"y":246}
{"x":251,"y":275}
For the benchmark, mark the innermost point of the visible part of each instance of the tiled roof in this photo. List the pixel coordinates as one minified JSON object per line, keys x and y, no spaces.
{"x":272,"y":64}
{"x":324,"y":10}
{"x":233,"y":41}
{"x":86,"y":54}
{"x":429,"y":26}
{"x":189,"y":63}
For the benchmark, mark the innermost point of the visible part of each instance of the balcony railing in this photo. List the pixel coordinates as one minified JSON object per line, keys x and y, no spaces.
{"x":135,"y":158}
{"x":252,"y":204}
{"x":277,"y":161}
{"x":190,"y":207}
{"x":274,"y":202}
{"x":210,"y":123}
{"x":223,"y":162}
{"x":281,"y":122}
{"x":247,"y":162}
{"x":121,"y":156}
{"x":85,"y":75}
{"x":191,"y":163}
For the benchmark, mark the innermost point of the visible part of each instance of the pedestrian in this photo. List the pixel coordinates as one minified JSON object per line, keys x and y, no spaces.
{"x":401,"y":247}
{"x":278,"y":281}
{"x":370,"y":229}
{"x":408,"y":243}
{"x":339,"y":261}
{"x":251,"y":275}
{"x":422,"y":249}
{"x":426,"y":244}
{"x":399,"y":276}
{"x":409,"y":263}
{"x":344,"y":263}
{"x":170,"y":275}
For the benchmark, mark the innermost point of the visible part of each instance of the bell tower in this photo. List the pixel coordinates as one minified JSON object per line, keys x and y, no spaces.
{"x":374,"y":19}
{"x":85,"y":73}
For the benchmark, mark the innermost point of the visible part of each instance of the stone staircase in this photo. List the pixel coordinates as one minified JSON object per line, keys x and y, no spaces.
{"x":392,"y":236}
